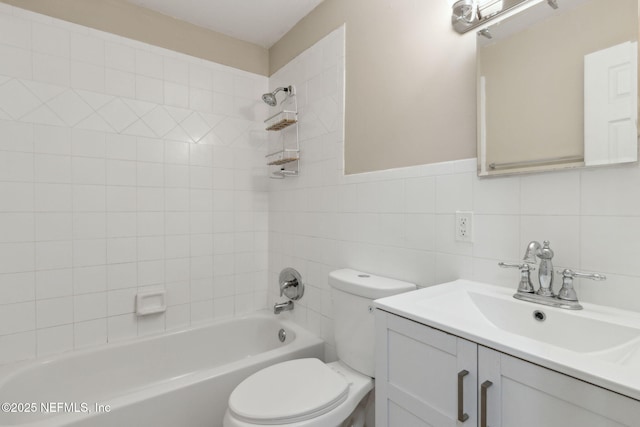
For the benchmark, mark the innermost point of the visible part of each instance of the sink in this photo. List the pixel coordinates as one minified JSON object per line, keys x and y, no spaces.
{"x":573,"y":331}
{"x":598,"y":344}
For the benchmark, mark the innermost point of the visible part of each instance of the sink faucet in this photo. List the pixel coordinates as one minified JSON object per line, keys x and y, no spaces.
{"x":545,"y":271}
{"x":566,"y":297}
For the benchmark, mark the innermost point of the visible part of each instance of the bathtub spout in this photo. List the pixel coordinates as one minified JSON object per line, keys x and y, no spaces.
{"x":283,"y":306}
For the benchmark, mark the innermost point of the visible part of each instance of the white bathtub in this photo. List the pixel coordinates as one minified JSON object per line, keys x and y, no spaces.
{"x":180,"y":379}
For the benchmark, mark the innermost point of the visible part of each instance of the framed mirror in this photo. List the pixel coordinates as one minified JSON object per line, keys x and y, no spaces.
{"x":558,"y":87}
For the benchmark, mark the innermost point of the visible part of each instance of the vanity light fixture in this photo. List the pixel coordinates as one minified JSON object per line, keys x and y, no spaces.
{"x":464,"y":13}
{"x":469,"y":14}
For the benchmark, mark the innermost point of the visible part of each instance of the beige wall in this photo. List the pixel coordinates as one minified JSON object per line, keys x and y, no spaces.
{"x":128,"y":20}
{"x":410,"y":80}
{"x":534,"y":101}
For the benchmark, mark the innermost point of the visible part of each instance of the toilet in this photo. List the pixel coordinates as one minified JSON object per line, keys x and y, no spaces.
{"x":309,"y":392}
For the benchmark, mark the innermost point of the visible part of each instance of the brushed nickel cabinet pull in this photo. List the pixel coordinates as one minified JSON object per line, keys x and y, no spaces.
{"x":462,"y":417}
{"x":483,"y":402}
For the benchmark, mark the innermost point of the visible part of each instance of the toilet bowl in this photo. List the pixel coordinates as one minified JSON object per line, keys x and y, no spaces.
{"x":309,"y":392}
{"x":315,"y":395}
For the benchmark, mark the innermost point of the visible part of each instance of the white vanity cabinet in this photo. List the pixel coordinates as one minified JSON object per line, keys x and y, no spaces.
{"x":426,"y":377}
{"x":417,"y":371}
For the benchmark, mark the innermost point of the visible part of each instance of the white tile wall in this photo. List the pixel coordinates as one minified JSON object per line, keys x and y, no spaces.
{"x":124,"y":166}
{"x":116,"y":160}
{"x":400,"y":223}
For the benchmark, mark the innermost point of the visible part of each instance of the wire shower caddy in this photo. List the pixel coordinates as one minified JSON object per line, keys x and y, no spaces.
{"x":286,"y":157}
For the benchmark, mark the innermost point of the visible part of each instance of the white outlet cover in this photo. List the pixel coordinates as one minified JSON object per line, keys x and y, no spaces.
{"x":464,"y":226}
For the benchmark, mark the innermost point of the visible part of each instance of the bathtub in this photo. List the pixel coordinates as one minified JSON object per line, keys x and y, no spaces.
{"x":179,"y":379}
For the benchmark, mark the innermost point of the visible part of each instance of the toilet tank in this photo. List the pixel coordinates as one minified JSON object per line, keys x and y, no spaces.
{"x":352,"y":294}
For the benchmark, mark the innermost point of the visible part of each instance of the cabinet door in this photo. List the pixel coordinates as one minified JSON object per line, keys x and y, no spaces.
{"x":522,"y":394}
{"x":418,"y":370}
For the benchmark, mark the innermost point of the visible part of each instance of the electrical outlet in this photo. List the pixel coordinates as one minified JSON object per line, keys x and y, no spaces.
{"x":464,"y":226}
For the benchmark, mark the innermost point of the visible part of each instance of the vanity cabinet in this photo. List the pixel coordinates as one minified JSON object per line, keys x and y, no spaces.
{"x":426,"y":377}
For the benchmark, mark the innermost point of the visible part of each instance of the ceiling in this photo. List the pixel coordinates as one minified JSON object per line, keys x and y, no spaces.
{"x":262,"y":22}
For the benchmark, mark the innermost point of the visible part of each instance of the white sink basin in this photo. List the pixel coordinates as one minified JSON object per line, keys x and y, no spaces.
{"x":573,"y":331}
{"x":598,"y":344}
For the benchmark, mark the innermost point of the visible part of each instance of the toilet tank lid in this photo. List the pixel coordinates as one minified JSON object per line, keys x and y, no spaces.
{"x":367,"y":285}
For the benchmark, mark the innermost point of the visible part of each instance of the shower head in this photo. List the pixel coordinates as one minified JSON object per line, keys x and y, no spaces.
{"x":270,"y":98}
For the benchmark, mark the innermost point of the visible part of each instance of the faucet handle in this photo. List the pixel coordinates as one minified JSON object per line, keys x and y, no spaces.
{"x":522,"y":265}
{"x":567,"y":292}
{"x":525,"y":285}
{"x":568,"y":273}
{"x":291,"y":284}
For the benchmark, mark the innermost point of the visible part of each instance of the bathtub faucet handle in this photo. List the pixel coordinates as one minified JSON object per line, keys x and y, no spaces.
{"x":291,"y":284}
{"x":286,"y":285}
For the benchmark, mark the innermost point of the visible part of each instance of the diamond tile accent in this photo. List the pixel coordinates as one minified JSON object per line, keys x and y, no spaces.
{"x":139,"y":128}
{"x":230,"y":129}
{"x":45,"y":92}
{"x":16,"y":100}
{"x":95,"y":100}
{"x":43,"y":115}
{"x":159,"y":121}
{"x":118,"y":115}
{"x":211,"y":139}
{"x":178,"y":134}
{"x":211,"y":119}
{"x":178,"y":114}
{"x":95,"y":122}
{"x":140,"y":107}
{"x":70,"y":108}
{"x":195,"y":126}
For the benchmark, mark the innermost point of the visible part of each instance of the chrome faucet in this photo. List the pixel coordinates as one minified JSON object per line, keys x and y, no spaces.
{"x":545,"y":271}
{"x":566,"y":297}
{"x":282,"y":306}
{"x":291,"y":286}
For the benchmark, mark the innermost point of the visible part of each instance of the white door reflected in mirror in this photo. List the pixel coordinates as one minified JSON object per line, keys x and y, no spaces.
{"x":611,"y":105}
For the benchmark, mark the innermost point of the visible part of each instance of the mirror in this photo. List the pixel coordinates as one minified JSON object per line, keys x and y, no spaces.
{"x":557,"y":87}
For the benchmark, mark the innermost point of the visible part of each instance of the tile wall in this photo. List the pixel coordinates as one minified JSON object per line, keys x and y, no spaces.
{"x":123,"y":167}
{"x":400,"y":223}
{"x":127,"y":167}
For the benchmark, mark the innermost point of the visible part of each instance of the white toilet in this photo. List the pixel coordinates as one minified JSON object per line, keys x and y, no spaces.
{"x":308,"y":392}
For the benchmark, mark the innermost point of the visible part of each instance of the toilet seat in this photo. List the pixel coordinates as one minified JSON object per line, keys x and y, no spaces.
{"x":312,"y":389}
